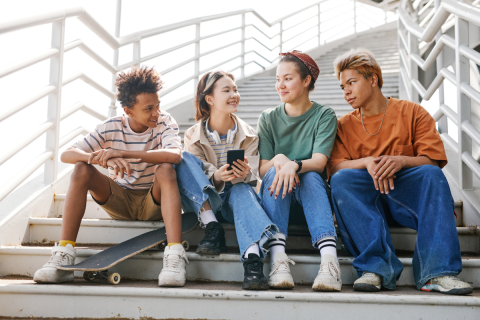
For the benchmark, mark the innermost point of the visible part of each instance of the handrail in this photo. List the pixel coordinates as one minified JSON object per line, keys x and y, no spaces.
{"x":54,"y":89}
{"x":409,"y":34}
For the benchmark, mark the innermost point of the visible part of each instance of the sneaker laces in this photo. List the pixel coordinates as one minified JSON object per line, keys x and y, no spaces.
{"x":253,"y":266}
{"x":172,"y":262}
{"x":57,"y":259}
{"x":328,"y":268}
{"x":369,"y":275}
{"x":281,"y":266}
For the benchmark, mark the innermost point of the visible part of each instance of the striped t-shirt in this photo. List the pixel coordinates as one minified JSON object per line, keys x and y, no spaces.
{"x":220,"y":149}
{"x":115,"y":133}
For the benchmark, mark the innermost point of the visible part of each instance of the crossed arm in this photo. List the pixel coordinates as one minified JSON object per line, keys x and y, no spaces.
{"x":120,"y":159}
{"x":382,"y":169}
{"x":286,"y":174}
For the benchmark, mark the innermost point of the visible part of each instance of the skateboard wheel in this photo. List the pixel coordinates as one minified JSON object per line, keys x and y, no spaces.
{"x":89,"y":275}
{"x":114,"y":278}
{"x":185,"y":245}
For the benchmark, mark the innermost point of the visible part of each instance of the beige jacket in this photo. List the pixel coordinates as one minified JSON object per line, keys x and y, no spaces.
{"x":246,"y":138}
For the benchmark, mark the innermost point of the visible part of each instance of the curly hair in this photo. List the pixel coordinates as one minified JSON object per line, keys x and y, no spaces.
{"x":204,"y":88}
{"x":138,"y":80}
{"x":361,"y":60}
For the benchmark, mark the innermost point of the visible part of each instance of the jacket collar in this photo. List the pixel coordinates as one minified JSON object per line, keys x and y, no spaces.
{"x":243,"y":132}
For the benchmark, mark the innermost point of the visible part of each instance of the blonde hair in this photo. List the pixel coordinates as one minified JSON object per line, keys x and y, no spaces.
{"x":361,"y":60}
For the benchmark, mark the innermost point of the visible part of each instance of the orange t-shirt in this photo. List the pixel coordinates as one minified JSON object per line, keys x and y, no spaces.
{"x":408,"y":130}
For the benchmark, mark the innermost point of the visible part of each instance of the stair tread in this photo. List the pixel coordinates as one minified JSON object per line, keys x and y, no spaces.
{"x":347,"y":290}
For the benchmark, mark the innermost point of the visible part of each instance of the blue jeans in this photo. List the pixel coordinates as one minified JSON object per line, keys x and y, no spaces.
{"x":237,"y":203}
{"x":421,"y":200}
{"x":311,"y":195}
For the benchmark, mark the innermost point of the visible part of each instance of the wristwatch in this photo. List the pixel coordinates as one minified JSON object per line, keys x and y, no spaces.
{"x":299,"y":162}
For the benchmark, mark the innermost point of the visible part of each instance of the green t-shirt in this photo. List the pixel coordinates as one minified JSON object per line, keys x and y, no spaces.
{"x":296,"y":137}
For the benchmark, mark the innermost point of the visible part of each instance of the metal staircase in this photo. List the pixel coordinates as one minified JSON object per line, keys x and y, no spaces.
{"x":213,"y":288}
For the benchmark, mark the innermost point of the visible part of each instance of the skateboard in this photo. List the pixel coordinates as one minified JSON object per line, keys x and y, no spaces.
{"x":96,"y":266}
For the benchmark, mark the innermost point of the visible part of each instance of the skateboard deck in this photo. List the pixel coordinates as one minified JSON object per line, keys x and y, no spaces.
{"x":122,"y":251}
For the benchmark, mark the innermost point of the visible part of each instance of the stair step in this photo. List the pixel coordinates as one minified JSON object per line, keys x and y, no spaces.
{"x":25,"y":260}
{"x":21,"y":297}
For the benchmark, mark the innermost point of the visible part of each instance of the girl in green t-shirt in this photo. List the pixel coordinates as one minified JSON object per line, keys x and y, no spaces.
{"x":296,"y":139}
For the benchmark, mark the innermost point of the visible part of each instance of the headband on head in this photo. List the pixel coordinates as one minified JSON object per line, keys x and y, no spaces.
{"x":307,"y":61}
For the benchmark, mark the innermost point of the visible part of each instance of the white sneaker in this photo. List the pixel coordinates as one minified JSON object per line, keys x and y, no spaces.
{"x":448,"y":285}
{"x":329,"y":277}
{"x":173,"y":273}
{"x":61,"y":256}
{"x":280,"y":276}
{"x":369,"y":282}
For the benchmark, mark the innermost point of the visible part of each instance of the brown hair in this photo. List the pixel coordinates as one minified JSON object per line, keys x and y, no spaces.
{"x":302,"y":69}
{"x":361,"y":60}
{"x":204,"y":88}
{"x":138,"y":80}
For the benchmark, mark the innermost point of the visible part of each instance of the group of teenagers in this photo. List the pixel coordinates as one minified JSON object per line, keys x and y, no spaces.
{"x":375,"y":167}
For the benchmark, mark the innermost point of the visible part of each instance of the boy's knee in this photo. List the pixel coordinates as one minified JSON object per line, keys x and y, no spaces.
{"x":165,"y":172}
{"x":82,"y":171}
{"x":339,"y":179}
{"x":429,"y":171}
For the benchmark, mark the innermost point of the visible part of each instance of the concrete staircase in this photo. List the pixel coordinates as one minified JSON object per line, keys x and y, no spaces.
{"x":213,"y":289}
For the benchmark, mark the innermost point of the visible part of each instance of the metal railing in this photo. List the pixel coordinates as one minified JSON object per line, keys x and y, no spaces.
{"x":410,"y":34}
{"x":324,"y":25}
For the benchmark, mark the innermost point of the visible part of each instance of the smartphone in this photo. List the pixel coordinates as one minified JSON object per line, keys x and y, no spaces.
{"x":234,"y":155}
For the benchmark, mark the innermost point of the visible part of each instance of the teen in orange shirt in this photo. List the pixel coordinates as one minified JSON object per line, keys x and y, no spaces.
{"x":386,"y":166}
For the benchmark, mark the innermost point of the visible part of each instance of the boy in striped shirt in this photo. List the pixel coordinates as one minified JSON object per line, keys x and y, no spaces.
{"x":139,"y":150}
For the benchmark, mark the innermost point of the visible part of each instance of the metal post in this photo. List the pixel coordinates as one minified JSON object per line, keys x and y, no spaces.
{"x":355,"y":16}
{"x":112,"y":110}
{"x":55,"y":100}
{"x":442,"y":123}
{"x":243,"y":47}
{"x":319,"y":38}
{"x":385,"y":9}
{"x":197,"y":57}
{"x":137,"y":52}
{"x":281,"y":36}
{"x":412,"y":48}
{"x":463,"y":102}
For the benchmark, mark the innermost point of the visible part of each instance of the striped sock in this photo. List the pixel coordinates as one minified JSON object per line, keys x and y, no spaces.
{"x":276,"y":245}
{"x":327,"y":245}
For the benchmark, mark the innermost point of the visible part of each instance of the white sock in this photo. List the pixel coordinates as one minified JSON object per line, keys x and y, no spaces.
{"x":327,"y":245}
{"x":207,"y":216}
{"x":276,"y":245}
{"x":254,"y":248}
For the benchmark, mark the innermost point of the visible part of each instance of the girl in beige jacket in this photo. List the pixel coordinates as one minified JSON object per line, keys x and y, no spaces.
{"x":218,"y":190}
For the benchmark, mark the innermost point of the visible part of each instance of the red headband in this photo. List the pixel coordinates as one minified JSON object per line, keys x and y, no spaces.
{"x":307,"y":60}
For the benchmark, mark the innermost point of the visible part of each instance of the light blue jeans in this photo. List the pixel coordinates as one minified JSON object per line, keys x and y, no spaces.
{"x":312,"y":195}
{"x":238,"y":203}
{"x":421,"y":200}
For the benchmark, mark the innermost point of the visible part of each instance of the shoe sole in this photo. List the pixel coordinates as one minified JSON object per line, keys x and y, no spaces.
{"x":211,"y":252}
{"x":255,"y":286}
{"x":327,"y":288}
{"x":436,"y":288}
{"x":175,"y":283}
{"x":281,"y":285}
{"x":364,"y":287}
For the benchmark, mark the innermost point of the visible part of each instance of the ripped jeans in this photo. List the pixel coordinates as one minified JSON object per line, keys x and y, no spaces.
{"x":421,"y":200}
{"x":238,"y":203}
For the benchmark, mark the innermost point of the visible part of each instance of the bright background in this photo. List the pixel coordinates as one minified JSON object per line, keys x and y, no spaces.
{"x":138,"y":15}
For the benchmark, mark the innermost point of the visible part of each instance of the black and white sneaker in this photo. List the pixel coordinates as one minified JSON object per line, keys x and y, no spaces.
{"x":214,"y":241}
{"x":254,"y":279}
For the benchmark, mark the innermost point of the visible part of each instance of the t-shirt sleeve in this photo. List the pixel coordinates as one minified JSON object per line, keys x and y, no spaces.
{"x":339,"y":151}
{"x":266,"y":144}
{"x":427,"y":141}
{"x":326,"y":132}
{"x":170,"y":137}
{"x":93,"y":141}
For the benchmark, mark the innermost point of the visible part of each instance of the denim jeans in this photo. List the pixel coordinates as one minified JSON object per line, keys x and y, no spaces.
{"x":238,"y":203}
{"x":311,"y":195}
{"x":421,"y":200}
